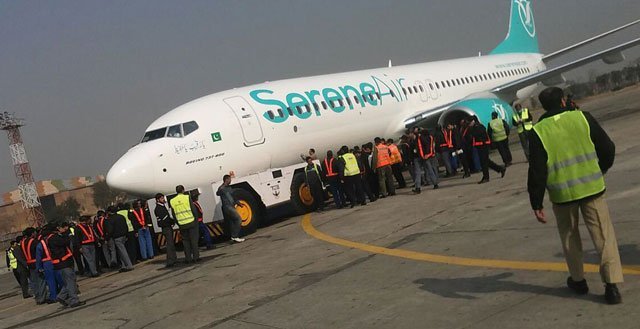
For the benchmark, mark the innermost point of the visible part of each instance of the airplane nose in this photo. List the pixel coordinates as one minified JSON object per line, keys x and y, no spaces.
{"x":132,"y":173}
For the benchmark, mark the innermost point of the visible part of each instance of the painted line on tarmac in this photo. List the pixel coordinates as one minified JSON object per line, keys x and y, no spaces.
{"x":308,"y":227}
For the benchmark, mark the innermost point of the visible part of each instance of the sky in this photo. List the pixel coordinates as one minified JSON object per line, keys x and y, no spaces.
{"x":89,"y":76}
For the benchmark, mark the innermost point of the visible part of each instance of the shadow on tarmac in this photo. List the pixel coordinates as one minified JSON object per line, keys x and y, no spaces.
{"x":463,"y":288}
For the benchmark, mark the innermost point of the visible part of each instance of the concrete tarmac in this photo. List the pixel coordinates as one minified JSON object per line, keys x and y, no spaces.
{"x":389,"y":264}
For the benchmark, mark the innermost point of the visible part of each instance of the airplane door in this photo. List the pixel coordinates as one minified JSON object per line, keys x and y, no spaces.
{"x":251,"y":128}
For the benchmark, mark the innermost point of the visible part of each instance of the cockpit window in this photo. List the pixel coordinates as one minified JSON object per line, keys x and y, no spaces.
{"x":154,"y":134}
{"x":175,"y":131}
{"x":189,"y":127}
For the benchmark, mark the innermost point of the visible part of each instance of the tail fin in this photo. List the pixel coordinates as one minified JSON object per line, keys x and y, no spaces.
{"x":522,"y":36}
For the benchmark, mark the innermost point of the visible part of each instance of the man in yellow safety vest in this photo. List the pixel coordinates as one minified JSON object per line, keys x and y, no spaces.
{"x":498,"y":130}
{"x":523,"y":121}
{"x":184,"y":211}
{"x":570,"y":153}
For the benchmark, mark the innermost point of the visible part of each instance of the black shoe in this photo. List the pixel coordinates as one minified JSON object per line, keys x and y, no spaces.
{"x":382,"y":196}
{"x":352,"y":205}
{"x":484,"y":180}
{"x":62,"y":301}
{"x":503,"y":172}
{"x":467,"y":175}
{"x":435,"y":187}
{"x":50,"y":301}
{"x":579,"y":287}
{"x":78,"y":304}
{"x":416,"y":191}
{"x":611,"y":294}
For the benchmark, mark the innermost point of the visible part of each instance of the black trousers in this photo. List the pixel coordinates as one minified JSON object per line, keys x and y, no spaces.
{"x":318,"y":194}
{"x":505,"y":153}
{"x":23,"y":275}
{"x":397,"y":174}
{"x":485,"y":161}
{"x":130,"y":244}
{"x":190,"y":234}
{"x":353,"y":188}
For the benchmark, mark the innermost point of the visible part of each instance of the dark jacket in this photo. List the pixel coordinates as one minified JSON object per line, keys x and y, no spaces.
{"x":58,"y":246}
{"x":22,"y":260}
{"x":334,"y":168}
{"x":117,"y":226}
{"x":537,"y":182}
{"x":100,"y":227}
{"x":134,"y":219}
{"x":164,"y":216}
{"x":80,"y":236}
{"x":478,"y":133}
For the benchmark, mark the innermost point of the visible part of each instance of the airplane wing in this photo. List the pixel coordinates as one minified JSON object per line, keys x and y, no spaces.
{"x":562,"y":51}
{"x":613,"y":54}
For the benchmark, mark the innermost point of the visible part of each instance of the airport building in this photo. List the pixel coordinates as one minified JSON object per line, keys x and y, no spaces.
{"x":51,"y":193}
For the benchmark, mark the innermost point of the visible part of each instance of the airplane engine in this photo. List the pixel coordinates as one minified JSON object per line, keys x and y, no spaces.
{"x":480,"y":107}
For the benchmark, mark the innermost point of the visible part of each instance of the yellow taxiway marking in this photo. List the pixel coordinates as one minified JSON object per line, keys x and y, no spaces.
{"x":308,"y":227}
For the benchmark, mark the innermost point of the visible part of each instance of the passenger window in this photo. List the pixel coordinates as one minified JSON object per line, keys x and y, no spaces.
{"x":340,"y":102}
{"x":410,"y":91}
{"x":421,"y":89}
{"x":280,"y":113}
{"x":308,"y":108}
{"x":371,"y":98}
{"x":154,"y":134}
{"x":191,"y":126}
{"x":415,"y":89}
{"x":404,"y":91}
{"x":299,"y":109}
{"x":355,"y":99}
{"x":378,"y":95}
{"x":332,"y":104}
{"x":290,"y":112}
{"x":324,"y":105}
{"x":175,"y":131}
{"x":437,"y":85}
{"x":392,"y":93}
{"x":315,"y":107}
{"x":448,"y":83}
{"x":270,"y":114}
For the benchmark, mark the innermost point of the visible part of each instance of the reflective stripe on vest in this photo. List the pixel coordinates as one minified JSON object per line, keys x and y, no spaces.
{"x":573,"y":169}
{"x":498,"y":133}
{"x":26,"y":251}
{"x":313,"y":168}
{"x":100,"y":226}
{"x":383,"y":156}
{"x":139,"y":217}
{"x":197,"y":204}
{"x":329,"y":167}
{"x":431,"y":151}
{"x":448,"y":140}
{"x":45,"y":249}
{"x":66,"y":256}
{"x":13,"y":261}
{"x":351,"y":167}
{"x":524,"y":125}
{"x":87,"y":234}
{"x":182,"y":209}
{"x":125,"y":213}
{"x":395,"y":157}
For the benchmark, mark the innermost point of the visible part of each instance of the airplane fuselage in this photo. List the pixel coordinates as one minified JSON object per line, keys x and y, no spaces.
{"x":268,"y":125}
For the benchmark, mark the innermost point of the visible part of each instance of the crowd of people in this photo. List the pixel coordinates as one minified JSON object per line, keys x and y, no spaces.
{"x":46,"y":260}
{"x":374,"y":170}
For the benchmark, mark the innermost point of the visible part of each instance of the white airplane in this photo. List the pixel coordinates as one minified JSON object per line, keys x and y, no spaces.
{"x":260,"y":129}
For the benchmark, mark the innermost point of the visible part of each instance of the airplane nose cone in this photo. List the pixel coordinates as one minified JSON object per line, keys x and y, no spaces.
{"x":132,"y":174}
